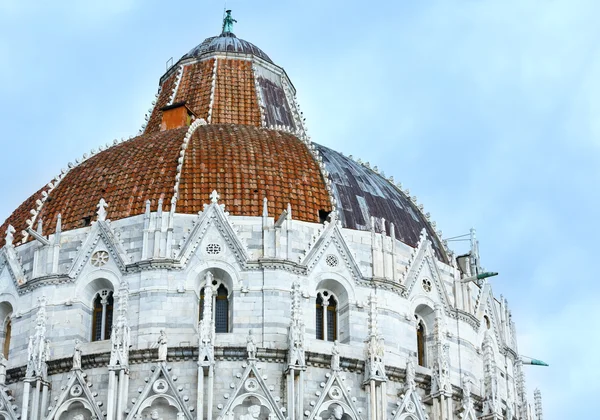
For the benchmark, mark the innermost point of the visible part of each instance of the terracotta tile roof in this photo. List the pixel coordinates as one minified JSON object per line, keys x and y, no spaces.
{"x":243,"y":163}
{"x":235,"y":99}
{"x":164,"y":96}
{"x":126,"y":175}
{"x":195,"y":86}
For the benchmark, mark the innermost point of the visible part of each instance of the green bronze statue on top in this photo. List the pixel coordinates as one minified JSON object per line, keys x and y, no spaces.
{"x":228,"y":22}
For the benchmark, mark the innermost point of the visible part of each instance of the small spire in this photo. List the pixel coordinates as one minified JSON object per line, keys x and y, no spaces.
{"x":228,"y":22}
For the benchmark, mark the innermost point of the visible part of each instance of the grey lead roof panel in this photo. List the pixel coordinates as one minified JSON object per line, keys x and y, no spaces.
{"x":361,"y":194}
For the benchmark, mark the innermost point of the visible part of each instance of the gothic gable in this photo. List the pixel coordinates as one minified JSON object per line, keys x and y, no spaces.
{"x":7,"y":407}
{"x":213,"y":221}
{"x":335,"y":400}
{"x":252,"y":397}
{"x":410,"y":407}
{"x":332,"y":241}
{"x":160,"y":395}
{"x":76,"y":398}
{"x":10,"y":267}
{"x":423,"y":265}
{"x":101,"y":237}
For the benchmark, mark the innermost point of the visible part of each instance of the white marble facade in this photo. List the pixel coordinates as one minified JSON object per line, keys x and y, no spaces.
{"x":154,"y":360}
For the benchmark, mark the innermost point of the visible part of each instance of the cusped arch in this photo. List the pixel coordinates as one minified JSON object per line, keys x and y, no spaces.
{"x":93,"y":282}
{"x":263,"y":401}
{"x":6,"y":312}
{"x":225,"y":272}
{"x":345,"y":407}
{"x":67,"y":405}
{"x":150,"y":400}
{"x":337,"y":284}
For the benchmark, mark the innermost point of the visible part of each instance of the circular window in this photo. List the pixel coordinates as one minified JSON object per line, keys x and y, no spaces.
{"x":332,"y":260}
{"x":213,"y":249}
{"x":427,"y":285}
{"x":99,"y":258}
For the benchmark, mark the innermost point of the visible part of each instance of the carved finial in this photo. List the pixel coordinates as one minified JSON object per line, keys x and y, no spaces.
{"x":40,"y":226}
{"x":214,"y":197}
{"x":10,"y":237}
{"x":101,"y":210}
{"x":265,"y":212}
{"x":289,"y":211}
{"x":58,"y":224}
{"x":160,"y":206}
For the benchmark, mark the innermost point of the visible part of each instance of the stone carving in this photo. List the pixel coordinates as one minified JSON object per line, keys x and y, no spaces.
{"x":335,"y":357}
{"x":77,"y":356}
{"x":410,"y":384}
{"x":10,"y":237}
{"x":296,"y":357}
{"x":337,"y":412}
{"x":253,"y":413}
{"x":375,"y":347}
{"x":206,"y":328}
{"x":38,"y":348}
{"x":101,"y":213}
{"x":491,"y":403}
{"x":251,"y":346}
{"x":78,"y":417}
{"x":162,"y":346}
{"x":119,"y":338}
{"x":441,"y":364}
{"x":3,"y":362}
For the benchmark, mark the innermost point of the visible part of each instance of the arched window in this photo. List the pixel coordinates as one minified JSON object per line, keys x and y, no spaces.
{"x":103,"y":315}
{"x":420,"y":342}
{"x":326,"y":316}
{"x":7,"y":333}
{"x":220,"y":307}
{"x":6,"y":310}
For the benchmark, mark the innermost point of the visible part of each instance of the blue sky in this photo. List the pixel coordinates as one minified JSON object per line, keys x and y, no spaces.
{"x":487,"y":110}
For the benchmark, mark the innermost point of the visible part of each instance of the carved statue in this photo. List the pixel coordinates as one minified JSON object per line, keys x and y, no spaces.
{"x":375,"y":352}
{"x":78,"y":417}
{"x":228,"y":22}
{"x":162,"y":346}
{"x":253,"y":413}
{"x":337,"y":412}
{"x":77,"y":356}
{"x":410,"y":374}
{"x":251,"y":346}
{"x":154,"y":415}
{"x":10,"y":237}
{"x":296,"y":345}
{"x":335,"y":357}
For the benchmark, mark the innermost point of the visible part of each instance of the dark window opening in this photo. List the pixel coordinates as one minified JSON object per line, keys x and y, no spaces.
{"x":319,"y":318}
{"x":323,"y":215}
{"x":421,"y":344}
{"x":222,"y":310}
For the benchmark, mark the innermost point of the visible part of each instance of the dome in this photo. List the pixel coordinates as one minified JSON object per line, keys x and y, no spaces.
{"x":244,"y":164}
{"x":253,"y":146}
{"x":306,"y":273}
{"x":228,"y":43}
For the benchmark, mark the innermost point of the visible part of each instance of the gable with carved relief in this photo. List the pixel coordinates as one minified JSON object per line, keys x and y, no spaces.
{"x":213,"y":235}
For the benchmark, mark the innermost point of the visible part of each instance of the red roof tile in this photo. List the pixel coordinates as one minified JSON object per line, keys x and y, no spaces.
{"x":243,"y":163}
